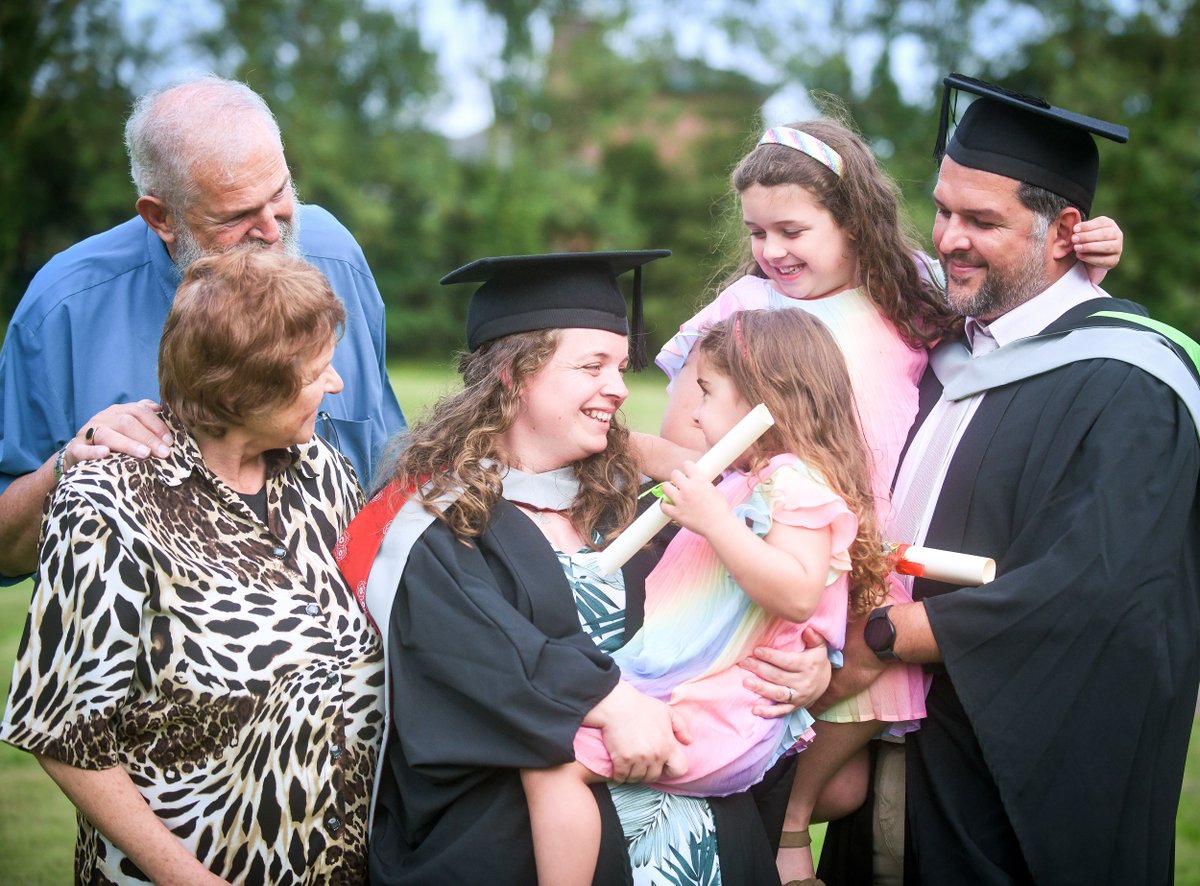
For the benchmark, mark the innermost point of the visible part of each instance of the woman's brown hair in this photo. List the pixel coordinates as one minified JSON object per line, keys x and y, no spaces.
{"x":865,"y":204}
{"x":789,"y":360}
{"x":456,"y":448}
{"x":242,"y":327}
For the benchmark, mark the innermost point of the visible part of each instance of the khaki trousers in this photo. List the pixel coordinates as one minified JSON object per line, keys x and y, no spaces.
{"x":888,"y":818}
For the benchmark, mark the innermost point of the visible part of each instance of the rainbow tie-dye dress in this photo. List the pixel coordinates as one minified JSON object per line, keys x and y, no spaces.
{"x":885,"y":373}
{"x":699,"y":625}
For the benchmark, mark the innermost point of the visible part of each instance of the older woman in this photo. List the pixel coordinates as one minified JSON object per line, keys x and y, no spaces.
{"x":195,"y":674}
{"x":495,"y":630}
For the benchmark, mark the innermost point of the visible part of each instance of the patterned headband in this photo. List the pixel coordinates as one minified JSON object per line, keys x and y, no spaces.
{"x":806,"y":144}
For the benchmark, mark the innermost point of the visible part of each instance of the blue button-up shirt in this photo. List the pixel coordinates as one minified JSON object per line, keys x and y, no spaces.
{"x":85,"y":336}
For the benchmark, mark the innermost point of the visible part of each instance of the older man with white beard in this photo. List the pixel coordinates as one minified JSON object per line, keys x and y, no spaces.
{"x":77,"y":370}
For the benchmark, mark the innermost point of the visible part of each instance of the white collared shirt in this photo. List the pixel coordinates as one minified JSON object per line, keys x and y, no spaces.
{"x":1027,"y":319}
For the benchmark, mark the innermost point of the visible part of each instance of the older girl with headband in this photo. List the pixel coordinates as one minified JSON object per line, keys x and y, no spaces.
{"x":826,"y":236}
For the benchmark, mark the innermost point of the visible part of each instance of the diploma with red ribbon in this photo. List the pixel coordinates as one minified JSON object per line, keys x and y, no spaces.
{"x":723,"y":454}
{"x":937,"y":565}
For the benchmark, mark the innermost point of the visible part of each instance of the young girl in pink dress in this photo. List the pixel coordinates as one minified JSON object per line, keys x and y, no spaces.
{"x":826,"y":236}
{"x":787,"y":541}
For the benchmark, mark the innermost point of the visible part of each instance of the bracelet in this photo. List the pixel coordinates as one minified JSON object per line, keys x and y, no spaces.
{"x":58,"y":464}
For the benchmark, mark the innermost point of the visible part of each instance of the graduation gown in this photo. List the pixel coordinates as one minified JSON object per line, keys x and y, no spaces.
{"x":490,"y":673}
{"x":1057,"y":732}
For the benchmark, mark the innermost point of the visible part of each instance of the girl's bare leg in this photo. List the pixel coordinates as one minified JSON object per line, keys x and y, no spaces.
{"x":565,"y":821}
{"x":825,"y":785}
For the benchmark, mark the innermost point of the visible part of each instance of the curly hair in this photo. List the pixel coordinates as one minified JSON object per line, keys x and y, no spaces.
{"x":865,"y":204}
{"x":790,"y":361}
{"x":455,"y":449}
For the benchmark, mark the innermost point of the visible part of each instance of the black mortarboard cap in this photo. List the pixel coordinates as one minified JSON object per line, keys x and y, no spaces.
{"x":1025,"y":137}
{"x":559,"y":290}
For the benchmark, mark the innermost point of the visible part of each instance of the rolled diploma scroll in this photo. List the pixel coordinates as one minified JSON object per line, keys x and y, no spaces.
{"x":947,"y":566}
{"x":711,"y":464}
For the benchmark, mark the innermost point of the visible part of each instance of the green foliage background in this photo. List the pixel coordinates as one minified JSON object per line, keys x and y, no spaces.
{"x":606,"y":135}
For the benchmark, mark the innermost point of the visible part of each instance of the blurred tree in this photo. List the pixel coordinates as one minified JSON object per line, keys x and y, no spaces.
{"x":1133,"y":63}
{"x":606,"y":135}
{"x":351,"y":84}
{"x":63,"y":100}
{"x":596,"y":147}
{"x":1152,"y":184}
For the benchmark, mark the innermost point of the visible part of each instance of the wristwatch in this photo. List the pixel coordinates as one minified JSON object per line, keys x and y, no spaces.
{"x":880,"y":634}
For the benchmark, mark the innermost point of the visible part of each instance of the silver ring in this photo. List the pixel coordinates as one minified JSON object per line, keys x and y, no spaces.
{"x":89,"y":435}
{"x":791,"y":695}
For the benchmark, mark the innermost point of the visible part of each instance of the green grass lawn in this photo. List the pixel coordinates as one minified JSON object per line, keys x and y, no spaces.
{"x":37,"y":824}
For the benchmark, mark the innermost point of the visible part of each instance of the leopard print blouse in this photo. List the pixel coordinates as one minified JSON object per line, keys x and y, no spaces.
{"x":222,"y":662}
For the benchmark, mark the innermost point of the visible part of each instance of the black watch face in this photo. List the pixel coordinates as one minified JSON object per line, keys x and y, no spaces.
{"x":878,"y":633}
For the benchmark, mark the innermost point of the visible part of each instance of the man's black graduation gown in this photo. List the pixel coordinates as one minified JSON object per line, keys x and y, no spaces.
{"x":1057,"y":731}
{"x":491,"y":673}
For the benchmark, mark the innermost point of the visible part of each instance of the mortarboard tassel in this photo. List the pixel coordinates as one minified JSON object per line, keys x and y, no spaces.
{"x":939,"y":147}
{"x":638,"y":358}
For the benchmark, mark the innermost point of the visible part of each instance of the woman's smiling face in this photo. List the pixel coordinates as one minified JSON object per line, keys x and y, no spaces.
{"x":568,"y":405}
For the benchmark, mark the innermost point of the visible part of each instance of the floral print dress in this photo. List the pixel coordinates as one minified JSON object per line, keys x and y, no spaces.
{"x":672,"y":839}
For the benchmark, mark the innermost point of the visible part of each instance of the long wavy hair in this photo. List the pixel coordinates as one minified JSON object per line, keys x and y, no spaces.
{"x":790,"y":361}
{"x":865,"y":204}
{"x":456,"y":448}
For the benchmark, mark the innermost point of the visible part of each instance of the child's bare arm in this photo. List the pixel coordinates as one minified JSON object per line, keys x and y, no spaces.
{"x":1099,"y":243}
{"x":659,"y":456}
{"x":784,"y":572}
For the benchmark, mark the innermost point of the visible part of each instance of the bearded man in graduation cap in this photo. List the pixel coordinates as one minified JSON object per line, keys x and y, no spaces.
{"x":1059,"y":438}
{"x":473,"y":563}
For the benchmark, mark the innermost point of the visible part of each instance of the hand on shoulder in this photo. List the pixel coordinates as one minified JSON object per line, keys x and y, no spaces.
{"x":134,"y":429}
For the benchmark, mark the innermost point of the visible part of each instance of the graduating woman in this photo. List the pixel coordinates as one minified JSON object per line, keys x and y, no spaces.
{"x":473,"y":562}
